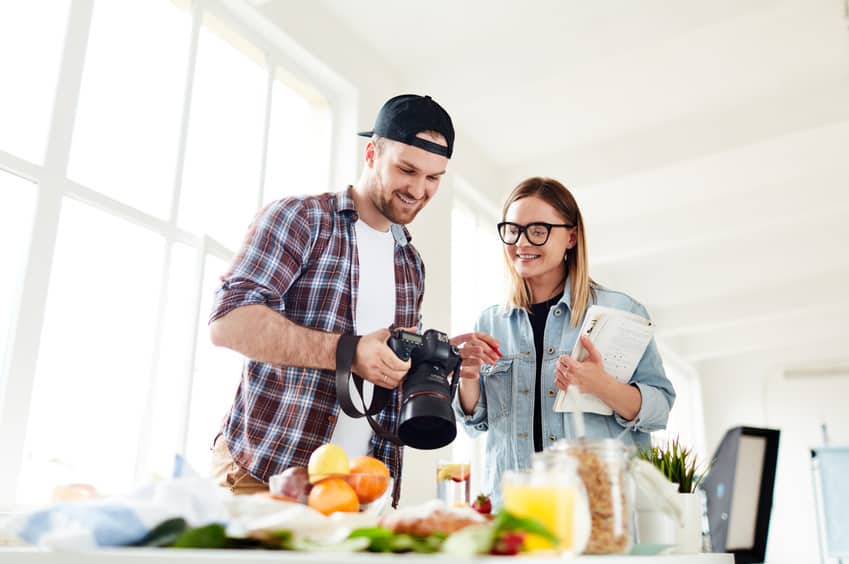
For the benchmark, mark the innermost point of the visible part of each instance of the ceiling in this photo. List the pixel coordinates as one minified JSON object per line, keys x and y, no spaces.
{"x":707,"y":143}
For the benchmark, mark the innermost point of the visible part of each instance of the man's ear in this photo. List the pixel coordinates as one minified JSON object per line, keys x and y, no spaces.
{"x":371,"y":153}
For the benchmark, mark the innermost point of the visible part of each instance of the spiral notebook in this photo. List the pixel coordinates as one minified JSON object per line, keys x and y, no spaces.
{"x":621,"y":337}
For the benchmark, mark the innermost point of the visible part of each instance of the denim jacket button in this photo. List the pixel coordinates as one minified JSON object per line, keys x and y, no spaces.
{"x":557,"y":312}
{"x":552,"y":437}
{"x":551,"y":393}
{"x":550,"y":350}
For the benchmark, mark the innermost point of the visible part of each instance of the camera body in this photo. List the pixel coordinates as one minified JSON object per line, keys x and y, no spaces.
{"x":427,"y":418}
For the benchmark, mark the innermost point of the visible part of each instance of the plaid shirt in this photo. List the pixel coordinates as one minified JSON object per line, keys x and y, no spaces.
{"x":300,"y":259}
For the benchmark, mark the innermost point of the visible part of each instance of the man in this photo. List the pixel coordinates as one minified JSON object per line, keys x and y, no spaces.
{"x":313,"y":268}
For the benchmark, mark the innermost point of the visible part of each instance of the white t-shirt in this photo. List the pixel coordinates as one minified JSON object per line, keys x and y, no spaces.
{"x":375,"y":309}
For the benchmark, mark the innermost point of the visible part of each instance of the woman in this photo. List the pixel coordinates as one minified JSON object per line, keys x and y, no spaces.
{"x":550,"y":292}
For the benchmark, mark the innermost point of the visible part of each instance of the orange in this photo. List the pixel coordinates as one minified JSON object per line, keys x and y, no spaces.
{"x":369,"y":478}
{"x":333,"y":494}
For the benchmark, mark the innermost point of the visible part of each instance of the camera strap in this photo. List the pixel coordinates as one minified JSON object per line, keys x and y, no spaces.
{"x":345,"y":349}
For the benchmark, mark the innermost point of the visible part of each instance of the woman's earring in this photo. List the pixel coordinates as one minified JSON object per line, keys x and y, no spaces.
{"x":565,"y":257}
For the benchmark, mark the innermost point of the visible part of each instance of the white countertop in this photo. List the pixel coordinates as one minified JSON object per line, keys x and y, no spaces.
{"x":163,"y":555}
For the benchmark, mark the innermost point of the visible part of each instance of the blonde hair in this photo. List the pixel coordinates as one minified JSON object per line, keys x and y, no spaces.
{"x":583,"y":287}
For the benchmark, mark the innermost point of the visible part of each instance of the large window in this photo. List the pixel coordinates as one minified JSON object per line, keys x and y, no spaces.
{"x":137,"y":142}
{"x":36,"y":28}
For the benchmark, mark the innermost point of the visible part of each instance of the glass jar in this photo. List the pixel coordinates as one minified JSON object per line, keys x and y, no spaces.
{"x":603,"y":468}
{"x":562,"y":470}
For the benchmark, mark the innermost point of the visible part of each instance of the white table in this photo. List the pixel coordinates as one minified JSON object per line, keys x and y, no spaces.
{"x":163,"y":555}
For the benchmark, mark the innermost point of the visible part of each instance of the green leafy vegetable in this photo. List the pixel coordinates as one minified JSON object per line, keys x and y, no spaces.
{"x":210,"y":536}
{"x":506,"y":522}
{"x":164,"y":534}
{"x":384,"y":540}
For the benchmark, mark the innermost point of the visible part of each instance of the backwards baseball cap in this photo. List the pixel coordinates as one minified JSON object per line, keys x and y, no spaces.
{"x":404,"y":116}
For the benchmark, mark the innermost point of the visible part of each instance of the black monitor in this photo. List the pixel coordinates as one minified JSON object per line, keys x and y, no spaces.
{"x":739,"y":487}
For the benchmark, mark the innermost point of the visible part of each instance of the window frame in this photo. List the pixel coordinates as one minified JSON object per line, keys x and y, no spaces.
{"x":52,"y":184}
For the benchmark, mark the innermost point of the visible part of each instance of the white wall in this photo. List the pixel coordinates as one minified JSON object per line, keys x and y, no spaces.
{"x":752,"y":391}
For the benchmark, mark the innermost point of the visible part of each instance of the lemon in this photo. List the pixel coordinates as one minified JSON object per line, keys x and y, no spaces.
{"x":327,"y":460}
{"x":456,"y":472}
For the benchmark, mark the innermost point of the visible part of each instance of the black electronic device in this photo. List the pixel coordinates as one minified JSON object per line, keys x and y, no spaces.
{"x":427,"y":418}
{"x":739,"y":491}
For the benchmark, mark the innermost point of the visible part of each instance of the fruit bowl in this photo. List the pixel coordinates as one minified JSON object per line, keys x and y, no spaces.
{"x":373,"y":491}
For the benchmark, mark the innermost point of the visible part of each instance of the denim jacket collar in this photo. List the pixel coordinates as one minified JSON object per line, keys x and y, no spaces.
{"x":565,"y":299}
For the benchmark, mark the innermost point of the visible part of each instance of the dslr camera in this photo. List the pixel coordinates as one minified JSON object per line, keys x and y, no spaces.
{"x":427,"y":418}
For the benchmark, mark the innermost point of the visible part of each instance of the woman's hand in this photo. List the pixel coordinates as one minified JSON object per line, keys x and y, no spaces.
{"x":476,"y":349}
{"x":588,"y":375}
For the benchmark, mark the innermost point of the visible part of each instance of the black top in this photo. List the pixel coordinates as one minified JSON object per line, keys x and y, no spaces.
{"x":538,"y":316}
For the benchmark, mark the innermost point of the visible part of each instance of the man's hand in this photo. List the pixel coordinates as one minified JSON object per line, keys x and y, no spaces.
{"x":375,"y":362}
{"x":476,"y":349}
{"x":588,"y":375}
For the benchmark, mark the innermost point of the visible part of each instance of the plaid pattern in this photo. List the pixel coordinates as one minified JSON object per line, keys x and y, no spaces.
{"x":299,"y":258}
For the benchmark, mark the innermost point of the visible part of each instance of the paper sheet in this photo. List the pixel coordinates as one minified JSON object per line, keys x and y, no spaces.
{"x":621,"y":337}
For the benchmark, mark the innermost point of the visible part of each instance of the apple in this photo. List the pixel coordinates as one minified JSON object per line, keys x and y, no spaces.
{"x":293,"y":483}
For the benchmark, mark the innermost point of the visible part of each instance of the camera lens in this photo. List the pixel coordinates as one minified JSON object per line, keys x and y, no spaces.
{"x":427,"y":418}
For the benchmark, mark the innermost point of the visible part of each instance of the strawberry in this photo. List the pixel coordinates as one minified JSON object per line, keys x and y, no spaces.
{"x":508,"y":544}
{"x":461,"y":477}
{"x":482,"y":504}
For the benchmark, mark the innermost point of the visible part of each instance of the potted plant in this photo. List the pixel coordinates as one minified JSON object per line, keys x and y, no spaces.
{"x":679,"y":465}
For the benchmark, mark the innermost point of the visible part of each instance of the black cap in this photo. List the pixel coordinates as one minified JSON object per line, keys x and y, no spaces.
{"x":404,"y":116}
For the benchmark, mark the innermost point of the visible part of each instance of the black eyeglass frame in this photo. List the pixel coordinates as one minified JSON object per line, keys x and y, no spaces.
{"x":523,"y":230}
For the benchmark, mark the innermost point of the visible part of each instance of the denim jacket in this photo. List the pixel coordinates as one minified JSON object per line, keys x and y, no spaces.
{"x":505,"y":410}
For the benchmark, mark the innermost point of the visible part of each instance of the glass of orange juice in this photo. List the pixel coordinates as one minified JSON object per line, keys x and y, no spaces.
{"x":453,"y":482}
{"x":547,"y":495}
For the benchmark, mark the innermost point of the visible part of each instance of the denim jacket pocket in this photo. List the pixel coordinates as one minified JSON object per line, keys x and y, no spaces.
{"x":498,"y":384}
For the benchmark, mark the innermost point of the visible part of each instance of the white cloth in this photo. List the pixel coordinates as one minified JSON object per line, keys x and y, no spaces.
{"x":375,"y":309}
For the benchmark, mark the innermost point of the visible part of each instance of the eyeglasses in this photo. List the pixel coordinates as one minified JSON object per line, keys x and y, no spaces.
{"x":536,"y":233}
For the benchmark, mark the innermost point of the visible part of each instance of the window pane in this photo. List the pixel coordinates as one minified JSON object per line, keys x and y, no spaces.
{"x":298,"y":159}
{"x":477,"y":281}
{"x":31,"y":38}
{"x":17,"y":204}
{"x":223,"y":155}
{"x":217,"y":375}
{"x":170,"y":394}
{"x":127,"y":126}
{"x":93,"y":365}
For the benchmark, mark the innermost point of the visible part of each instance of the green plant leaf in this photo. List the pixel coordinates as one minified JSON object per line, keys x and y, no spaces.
{"x":676,"y":462}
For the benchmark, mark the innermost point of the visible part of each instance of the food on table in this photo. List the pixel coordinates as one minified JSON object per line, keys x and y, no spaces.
{"x":369,"y":477}
{"x":435,"y":517}
{"x":291,"y":485}
{"x":482,"y":504}
{"x":508,"y":544}
{"x":454,"y":472}
{"x":326,"y":461}
{"x":333,"y":494}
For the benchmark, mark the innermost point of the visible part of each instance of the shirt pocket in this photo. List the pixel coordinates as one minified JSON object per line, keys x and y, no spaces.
{"x":498,"y":385}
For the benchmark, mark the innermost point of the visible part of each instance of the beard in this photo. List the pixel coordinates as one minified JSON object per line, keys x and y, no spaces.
{"x":388,"y":204}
